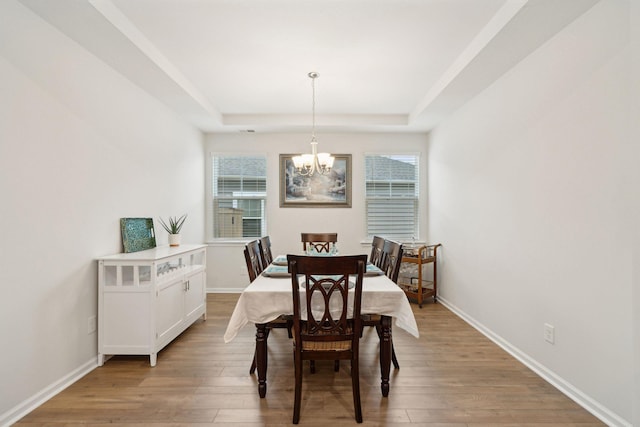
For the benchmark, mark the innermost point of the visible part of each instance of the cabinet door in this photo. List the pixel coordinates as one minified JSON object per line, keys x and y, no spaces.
{"x":169,"y":310}
{"x":194,"y":301}
{"x":125,"y":323}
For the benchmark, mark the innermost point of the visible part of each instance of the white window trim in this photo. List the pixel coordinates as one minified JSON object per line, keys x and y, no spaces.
{"x":226,"y":241}
{"x":422,"y":189}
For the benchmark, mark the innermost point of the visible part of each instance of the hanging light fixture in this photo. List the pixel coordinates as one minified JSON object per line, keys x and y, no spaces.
{"x":308,"y":164}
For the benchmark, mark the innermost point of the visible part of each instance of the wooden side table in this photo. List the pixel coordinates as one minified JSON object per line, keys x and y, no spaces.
{"x":423,"y":289}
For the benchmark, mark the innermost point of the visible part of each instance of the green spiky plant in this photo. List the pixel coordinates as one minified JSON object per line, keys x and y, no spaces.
{"x":175,"y":224}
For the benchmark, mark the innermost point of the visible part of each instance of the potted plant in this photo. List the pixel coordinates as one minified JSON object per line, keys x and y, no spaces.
{"x":173,"y":228}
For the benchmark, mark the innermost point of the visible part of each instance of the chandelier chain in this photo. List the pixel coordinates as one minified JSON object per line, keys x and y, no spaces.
{"x":313,"y":104}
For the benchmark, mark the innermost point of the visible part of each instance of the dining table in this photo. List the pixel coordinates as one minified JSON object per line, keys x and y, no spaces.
{"x":270,"y":296}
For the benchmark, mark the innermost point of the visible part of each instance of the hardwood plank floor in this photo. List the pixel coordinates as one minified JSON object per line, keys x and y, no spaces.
{"x":451,"y":376}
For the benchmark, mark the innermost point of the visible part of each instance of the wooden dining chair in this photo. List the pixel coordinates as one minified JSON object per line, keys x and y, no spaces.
{"x":389,"y":262}
{"x":283,"y":321}
{"x":391,"y":259}
{"x":265,"y":251}
{"x":327,"y":331}
{"x":319,"y":242}
{"x":253,"y":258}
{"x":377,"y":244}
{"x":255,"y":267}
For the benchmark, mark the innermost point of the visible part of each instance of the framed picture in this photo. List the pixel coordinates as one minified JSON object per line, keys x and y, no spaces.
{"x":322,"y":191}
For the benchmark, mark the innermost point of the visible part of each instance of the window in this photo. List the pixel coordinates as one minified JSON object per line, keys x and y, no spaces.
{"x":392,"y":196}
{"x":239,"y":188}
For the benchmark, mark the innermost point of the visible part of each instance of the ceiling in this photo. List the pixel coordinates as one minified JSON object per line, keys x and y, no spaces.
{"x":242,"y":65}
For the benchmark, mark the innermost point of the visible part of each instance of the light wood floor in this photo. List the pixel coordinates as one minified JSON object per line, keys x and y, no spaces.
{"x":450,"y":376}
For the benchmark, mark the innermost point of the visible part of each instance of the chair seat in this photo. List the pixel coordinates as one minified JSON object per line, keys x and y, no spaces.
{"x":326,"y":345}
{"x":338,"y":345}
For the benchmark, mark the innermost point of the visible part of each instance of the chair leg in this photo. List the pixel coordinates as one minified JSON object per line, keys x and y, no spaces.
{"x":253,"y":364}
{"x":393,"y":358}
{"x":355,"y":385}
{"x":298,"y":387}
{"x":289,"y":327}
{"x":336,"y":365}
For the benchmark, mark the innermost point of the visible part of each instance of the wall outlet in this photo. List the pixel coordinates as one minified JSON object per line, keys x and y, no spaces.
{"x":549,"y":333}
{"x":91,"y":324}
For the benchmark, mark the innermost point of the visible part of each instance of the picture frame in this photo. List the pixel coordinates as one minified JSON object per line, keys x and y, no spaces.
{"x":318,"y":191}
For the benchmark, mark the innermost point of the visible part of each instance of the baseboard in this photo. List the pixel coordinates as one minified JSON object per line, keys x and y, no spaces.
{"x":605,"y":415}
{"x":22,"y":409}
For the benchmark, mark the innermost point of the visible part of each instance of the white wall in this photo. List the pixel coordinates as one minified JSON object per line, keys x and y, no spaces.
{"x":80,"y":147}
{"x":529,"y":194}
{"x":634,"y":173}
{"x":286,"y":224}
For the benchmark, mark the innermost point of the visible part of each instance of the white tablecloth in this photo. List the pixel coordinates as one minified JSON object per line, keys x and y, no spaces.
{"x":266,"y":298}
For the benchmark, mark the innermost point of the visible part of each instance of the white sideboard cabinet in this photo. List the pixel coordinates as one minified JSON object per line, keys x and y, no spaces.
{"x":148,"y":298}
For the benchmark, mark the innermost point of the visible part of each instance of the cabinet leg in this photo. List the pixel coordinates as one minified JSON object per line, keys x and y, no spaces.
{"x":153,"y":359}
{"x":100,"y":359}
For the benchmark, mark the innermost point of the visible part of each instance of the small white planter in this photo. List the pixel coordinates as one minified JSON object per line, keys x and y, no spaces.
{"x":174,"y":240}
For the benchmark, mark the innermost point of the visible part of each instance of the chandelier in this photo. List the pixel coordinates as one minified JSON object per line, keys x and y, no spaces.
{"x":308,"y":164}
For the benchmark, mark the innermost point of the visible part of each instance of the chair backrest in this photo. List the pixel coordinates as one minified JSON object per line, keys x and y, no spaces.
{"x":253,"y":259}
{"x":265,"y":251}
{"x":377,"y":244}
{"x":330,"y":314}
{"x":320,"y":242}
{"x":391,"y":259}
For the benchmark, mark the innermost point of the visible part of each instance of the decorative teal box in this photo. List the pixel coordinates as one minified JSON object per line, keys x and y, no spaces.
{"x":137,"y":234}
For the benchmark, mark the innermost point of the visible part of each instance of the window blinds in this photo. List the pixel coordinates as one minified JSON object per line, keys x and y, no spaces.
{"x":392,"y":192}
{"x":239,"y":196}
